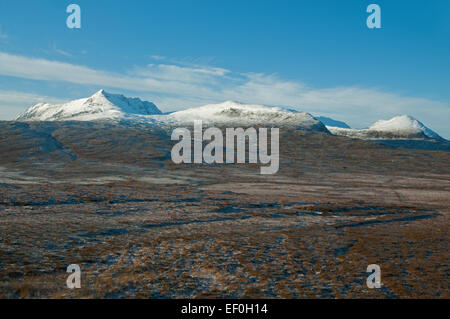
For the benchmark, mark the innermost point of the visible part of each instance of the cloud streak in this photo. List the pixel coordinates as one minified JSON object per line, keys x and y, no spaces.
{"x":11,"y":101}
{"x":175,"y":86}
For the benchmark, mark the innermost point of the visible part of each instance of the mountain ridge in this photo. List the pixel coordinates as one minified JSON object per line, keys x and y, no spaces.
{"x":231,"y":112}
{"x":107,"y":106}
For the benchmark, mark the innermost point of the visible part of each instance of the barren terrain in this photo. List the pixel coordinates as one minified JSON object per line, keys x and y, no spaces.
{"x":108,"y":198}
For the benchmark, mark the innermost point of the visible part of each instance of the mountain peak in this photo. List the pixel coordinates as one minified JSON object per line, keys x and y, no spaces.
{"x":403,"y":123}
{"x":101,"y":105}
{"x":101,"y":92}
{"x":399,"y":121}
{"x":401,"y":127}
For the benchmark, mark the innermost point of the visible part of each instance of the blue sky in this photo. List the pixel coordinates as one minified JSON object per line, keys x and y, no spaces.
{"x":316,"y":56}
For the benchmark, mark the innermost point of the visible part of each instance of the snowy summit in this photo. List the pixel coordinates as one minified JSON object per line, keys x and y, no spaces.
{"x":400,"y":127}
{"x":101,"y":105}
{"x":231,"y":112}
{"x":404,"y":124}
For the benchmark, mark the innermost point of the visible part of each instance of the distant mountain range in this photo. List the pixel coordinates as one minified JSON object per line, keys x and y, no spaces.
{"x":107,"y":106}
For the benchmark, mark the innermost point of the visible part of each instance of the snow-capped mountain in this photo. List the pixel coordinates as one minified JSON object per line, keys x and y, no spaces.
{"x":231,"y":112}
{"x":403,"y":127}
{"x":101,"y":105}
{"x":107,"y":106}
{"x":404,"y":124}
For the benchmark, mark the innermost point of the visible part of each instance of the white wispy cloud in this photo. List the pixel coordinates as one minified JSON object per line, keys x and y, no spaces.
{"x":182,"y":74}
{"x":18,"y":98}
{"x":178,"y":86}
{"x":12,"y":102}
{"x":157,"y":57}
{"x":167,"y":80}
{"x":60,"y":51}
